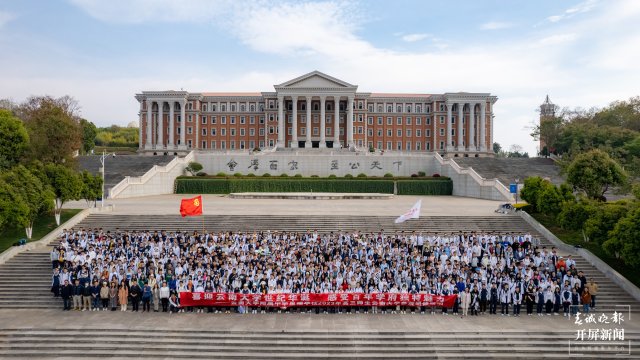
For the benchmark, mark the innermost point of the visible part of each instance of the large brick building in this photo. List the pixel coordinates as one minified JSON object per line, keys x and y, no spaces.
{"x":302,"y":113}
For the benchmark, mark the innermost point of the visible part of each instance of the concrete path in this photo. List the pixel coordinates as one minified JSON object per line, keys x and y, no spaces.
{"x":223,"y":205}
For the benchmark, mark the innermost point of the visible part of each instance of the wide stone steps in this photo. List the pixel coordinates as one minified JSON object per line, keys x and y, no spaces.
{"x":172,"y":343}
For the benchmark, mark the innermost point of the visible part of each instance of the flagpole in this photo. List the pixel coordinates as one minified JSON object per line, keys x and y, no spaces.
{"x":202,"y":204}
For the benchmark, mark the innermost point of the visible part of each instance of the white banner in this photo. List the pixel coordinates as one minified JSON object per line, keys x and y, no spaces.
{"x":413,"y":213}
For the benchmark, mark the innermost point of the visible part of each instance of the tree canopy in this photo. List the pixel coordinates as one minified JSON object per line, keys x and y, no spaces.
{"x":594,"y":172}
{"x":14,"y":141}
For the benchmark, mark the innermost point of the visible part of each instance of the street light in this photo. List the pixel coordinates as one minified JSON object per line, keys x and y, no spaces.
{"x":102,"y":159}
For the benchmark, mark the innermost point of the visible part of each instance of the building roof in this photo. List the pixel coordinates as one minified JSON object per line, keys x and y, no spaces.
{"x":231,"y":94}
{"x":399,"y":95}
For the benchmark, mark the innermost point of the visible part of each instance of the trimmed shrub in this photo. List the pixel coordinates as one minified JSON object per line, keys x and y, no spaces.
{"x":414,"y":175}
{"x":297,"y":175}
{"x":221,"y":174}
{"x":201,"y":173}
{"x":315,"y":176}
{"x":435,"y":175}
{"x":332,"y":176}
{"x":388,"y":175}
{"x":226,"y":186}
{"x":284,"y":175}
{"x":348,"y":176}
{"x":194,"y":167}
{"x":421,"y":187}
{"x":237,"y":175}
{"x":251,"y":175}
{"x":362,"y":175}
{"x":422,"y":173}
{"x":266,"y":175}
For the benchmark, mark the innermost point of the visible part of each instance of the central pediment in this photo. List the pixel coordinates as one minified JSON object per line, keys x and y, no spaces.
{"x":314,"y":80}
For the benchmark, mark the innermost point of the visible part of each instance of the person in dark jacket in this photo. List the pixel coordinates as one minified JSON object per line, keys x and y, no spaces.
{"x":530,"y":299}
{"x":95,"y":295}
{"x":484,"y":296}
{"x":86,"y":297}
{"x":55,"y":282}
{"x":493,"y":299}
{"x":78,"y":290}
{"x":539,"y":301}
{"x":67,"y":293}
{"x":135,"y":292}
{"x":575,"y":302}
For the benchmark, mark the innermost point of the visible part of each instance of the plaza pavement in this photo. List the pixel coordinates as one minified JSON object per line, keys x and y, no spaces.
{"x":224,"y":205}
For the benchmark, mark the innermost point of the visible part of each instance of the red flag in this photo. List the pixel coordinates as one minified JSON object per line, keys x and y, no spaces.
{"x":191,"y":207}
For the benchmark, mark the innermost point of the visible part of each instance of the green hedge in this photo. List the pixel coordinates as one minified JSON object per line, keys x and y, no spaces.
{"x":226,"y":186}
{"x":421,"y":187}
{"x":192,"y":185}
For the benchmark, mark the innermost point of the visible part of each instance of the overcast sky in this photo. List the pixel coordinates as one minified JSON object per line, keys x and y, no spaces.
{"x":581,"y":53}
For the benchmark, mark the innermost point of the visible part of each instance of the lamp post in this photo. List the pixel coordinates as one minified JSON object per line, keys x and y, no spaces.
{"x":517,"y":181}
{"x":103,"y":157}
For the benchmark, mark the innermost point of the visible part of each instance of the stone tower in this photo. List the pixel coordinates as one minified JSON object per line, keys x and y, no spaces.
{"x":547,"y":112}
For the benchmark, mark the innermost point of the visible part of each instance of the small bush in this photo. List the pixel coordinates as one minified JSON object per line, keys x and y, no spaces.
{"x":284,"y":175}
{"x":388,"y":175}
{"x":422,"y":174}
{"x":201,"y":173}
{"x":237,"y":175}
{"x":266,"y":175}
{"x":194,"y":167}
{"x":332,"y":176}
{"x":414,"y":175}
{"x":297,"y":175}
{"x":221,"y":174}
{"x":362,"y":175}
{"x":435,"y":175}
{"x":348,"y":176}
{"x":251,"y":175}
{"x":314,"y":176}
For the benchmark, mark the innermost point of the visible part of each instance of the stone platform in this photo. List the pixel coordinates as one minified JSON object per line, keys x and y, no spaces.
{"x":310,"y":196}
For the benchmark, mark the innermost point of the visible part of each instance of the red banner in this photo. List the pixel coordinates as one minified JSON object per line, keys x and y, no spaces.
{"x":314,"y":299}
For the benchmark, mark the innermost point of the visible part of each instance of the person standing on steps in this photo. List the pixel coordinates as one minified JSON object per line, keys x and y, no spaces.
{"x":67,"y":293}
{"x":146,"y":297}
{"x":123,"y":296}
{"x":593,"y":291}
{"x":78,"y":289}
{"x":104,"y":296}
{"x":135,"y":292}
{"x":493,"y":299}
{"x":164,"y":296}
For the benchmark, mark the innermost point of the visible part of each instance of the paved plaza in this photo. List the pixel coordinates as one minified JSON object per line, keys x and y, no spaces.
{"x":224,"y":205}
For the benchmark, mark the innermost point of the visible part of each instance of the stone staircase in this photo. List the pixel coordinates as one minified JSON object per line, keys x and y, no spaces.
{"x":120,"y":166}
{"x":508,"y":169}
{"x":174,"y":343}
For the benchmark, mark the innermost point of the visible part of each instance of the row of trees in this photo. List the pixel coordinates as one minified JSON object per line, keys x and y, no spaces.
{"x":614,"y":129}
{"x":40,"y":138}
{"x":578,"y":204}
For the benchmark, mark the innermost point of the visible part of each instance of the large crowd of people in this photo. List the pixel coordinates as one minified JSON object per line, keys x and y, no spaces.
{"x":489,"y":272}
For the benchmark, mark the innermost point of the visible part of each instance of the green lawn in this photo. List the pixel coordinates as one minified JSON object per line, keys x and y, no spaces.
{"x":42,"y":227}
{"x":575,"y":238}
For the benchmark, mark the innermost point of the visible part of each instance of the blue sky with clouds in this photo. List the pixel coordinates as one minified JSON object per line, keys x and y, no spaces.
{"x":582,"y":53}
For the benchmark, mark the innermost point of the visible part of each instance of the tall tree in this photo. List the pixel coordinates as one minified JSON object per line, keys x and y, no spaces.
{"x":89,"y":132}
{"x":13,"y":210}
{"x":91,"y":187}
{"x":34,"y":195}
{"x":14,"y":140}
{"x":66,"y":185}
{"x":594,"y":172}
{"x":624,"y":239}
{"x":53,"y":127}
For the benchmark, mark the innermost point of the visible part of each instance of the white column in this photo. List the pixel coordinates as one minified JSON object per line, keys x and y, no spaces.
{"x":472,"y":127}
{"x":149,"y":141}
{"x":483,"y":127}
{"x":449,"y":108}
{"x":281,"y":122}
{"x":183,"y":124}
{"x":294,"y":123}
{"x":323,"y":140}
{"x":307,"y":143}
{"x":350,"y":121}
{"x":141,"y":120}
{"x":160,"y":128}
{"x":460,"y":142}
{"x":171,"y":127}
{"x":336,"y":122}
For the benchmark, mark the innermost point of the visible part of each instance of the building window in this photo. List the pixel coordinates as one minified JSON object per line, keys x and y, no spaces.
{"x":252,"y":108}
{"x":189,"y":130}
{"x":389,"y":133}
{"x":442,"y":107}
{"x":303,"y":131}
{"x":316,"y":131}
{"x":213,"y":108}
{"x":360,"y":118}
{"x":427,"y":146}
{"x":427,"y":120}
{"x":315,"y":119}
{"x":408,"y":108}
{"x":441,"y":132}
{"x":408,"y":133}
{"x":399,"y":145}
{"x":418,"y":145}
{"x":360,"y":130}
{"x":252,"y":144}
{"x":223,"y":120}
{"x":453,"y":132}
{"x":223,"y":107}
{"x":418,"y":108}
{"x":370,"y":120}
{"x":328,"y":131}
{"x":242,"y":144}
{"x":213,"y":145}
{"x":204,"y":119}
{"x":389,"y":120}
{"x":341,"y":131}
{"x":328,"y":119}
{"x":189,"y":118}
{"x":379,"y":144}
{"x":204,"y":144}
{"x":427,"y":133}
{"x":204,"y":131}
{"x":212,"y":131}
{"x":379,"y":120}
{"x":233,"y":107}
{"x":242,"y":108}
{"x":223,"y":145}
{"x":408,"y":146}
{"x":204,"y":108}
{"x":271,"y":131}
{"x":242,"y":132}
{"x":223,"y":132}
{"x":252,"y":120}
{"x":427,"y":109}
{"x":252,"y":132}
{"x":213,"y":120}
{"x":261,"y":119}
{"x":418,"y":133}
{"x":399,"y":120}
{"x":441,"y":145}
{"x":261,"y":132}
{"x":370,"y":107}
{"x":261,"y":143}
{"x":232,"y":120}
{"x":453,"y":120}
{"x":441,"y":119}
{"x":189,"y":143}
{"x":408,"y":120}
{"x":389,"y":108}
{"x":243,"y":119}
{"x":379,"y":132}
{"x":418,"y":121}
{"x":233,"y":145}
{"x":399,"y":110}
{"x":289,"y":131}
{"x":388,"y":145}
{"x":379,"y":108}
{"x":399,"y":132}
{"x":370,"y":132}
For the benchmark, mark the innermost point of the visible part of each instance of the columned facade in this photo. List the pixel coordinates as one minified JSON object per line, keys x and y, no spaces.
{"x":316,"y":111}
